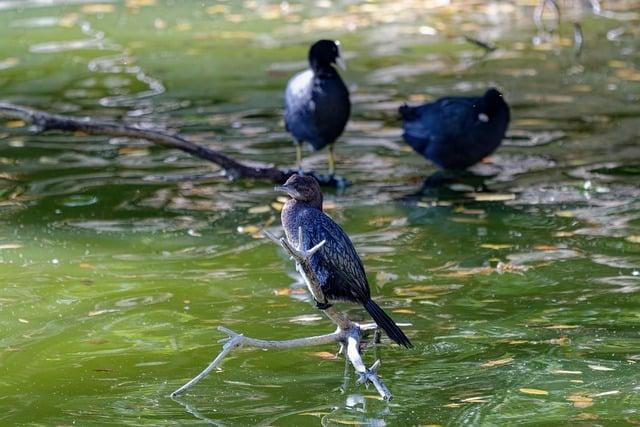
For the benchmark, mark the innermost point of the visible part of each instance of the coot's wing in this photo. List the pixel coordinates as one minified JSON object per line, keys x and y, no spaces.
{"x":299,"y":108}
{"x":332,"y":108}
{"x":337,"y":263}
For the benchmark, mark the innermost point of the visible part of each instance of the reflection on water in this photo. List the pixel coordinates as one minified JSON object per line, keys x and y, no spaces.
{"x":119,"y":259}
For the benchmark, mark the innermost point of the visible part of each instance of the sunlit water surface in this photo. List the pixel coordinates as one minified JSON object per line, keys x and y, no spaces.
{"x":119,"y":259}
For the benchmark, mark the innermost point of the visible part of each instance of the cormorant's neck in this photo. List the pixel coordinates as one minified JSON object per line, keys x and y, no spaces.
{"x":316,"y":204}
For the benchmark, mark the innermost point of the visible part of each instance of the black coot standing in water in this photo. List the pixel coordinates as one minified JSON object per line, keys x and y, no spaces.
{"x":317,"y":105}
{"x":337,"y":264}
{"x":457,"y":132}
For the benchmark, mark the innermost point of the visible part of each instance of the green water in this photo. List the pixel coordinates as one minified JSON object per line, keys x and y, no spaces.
{"x":120,"y":259}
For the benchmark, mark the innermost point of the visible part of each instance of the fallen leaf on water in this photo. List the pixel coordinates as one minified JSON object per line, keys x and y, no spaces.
{"x":491,"y":197}
{"x":475,"y":399}
{"x":580,"y":400}
{"x":535,"y":391}
{"x":285,"y":199}
{"x":600,"y":368}
{"x":563,"y":234}
{"x":606,"y":393}
{"x":403,"y":311}
{"x":98,"y":8}
{"x":559,"y":341}
{"x":452,"y":405}
{"x":10,"y":246}
{"x":325,"y":355}
{"x":259,"y":209}
{"x":99,"y":312}
{"x":134,"y":151}
{"x":566,"y":214}
{"x":23,"y":321}
{"x":585,"y":416}
{"x":496,"y":246}
{"x":248,"y":229}
{"x":383,"y":277}
{"x":87,"y":265}
{"x":634,"y":239}
{"x":561,"y":326}
{"x":277,"y":206}
{"x":545,"y":248}
{"x":12,"y":124}
{"x":506,"y":267}
{"x":98,"y":341}
{"x":289,"y":291}
{"x":498,"y":362}
{"x":305,"y":318}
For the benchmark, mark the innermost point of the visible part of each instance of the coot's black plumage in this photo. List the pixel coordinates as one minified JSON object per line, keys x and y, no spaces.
{"x":337,"y":264}
{"x":457,"y":132}
{"x":317,"y":105}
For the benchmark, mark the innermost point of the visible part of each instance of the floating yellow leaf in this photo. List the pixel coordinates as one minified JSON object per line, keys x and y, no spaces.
{"x":606,"y":393}
{"x":259,"y":209}
{"x":545,"y":248}
{"x":600,"y":368}
{"x":325,"y":355}
{"x":285,"y":199}
{"x":535,"y":391}
{"x":403,"y":311}
{"x":87,"y":265}
{"x":580,"y":400}
{"x":99,"y":312}
{"x":277,"y":206}
{"x":219,"y":8}
{"x":248,"y":229}
{"x":566,"y":214}
{"x":634,"y":238}
{"x":498,"y":362}
{"x":492,"y":197}
{"x":12,"y":124}
{"x":134,"y":151}
{"x":23,"y":320}
{"x":10,"y":246}
{"x":561,"y":326}
{"x":98,"y":8}
{"x":496,"y":246}
{"x":563,"y":234}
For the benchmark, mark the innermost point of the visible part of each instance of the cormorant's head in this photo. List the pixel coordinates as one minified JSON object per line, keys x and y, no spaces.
{"x":324,"y":53}
{"x":304,"y":189}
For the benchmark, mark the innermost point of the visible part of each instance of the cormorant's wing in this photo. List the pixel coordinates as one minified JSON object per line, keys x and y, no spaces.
{"x":337,"y":262}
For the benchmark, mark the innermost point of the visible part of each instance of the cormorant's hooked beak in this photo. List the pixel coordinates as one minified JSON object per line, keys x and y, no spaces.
{"x":286,"y":189}
{"x":340,"y":62}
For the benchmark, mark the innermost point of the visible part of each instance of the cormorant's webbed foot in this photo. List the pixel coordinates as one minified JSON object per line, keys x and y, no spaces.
{"x":322,"y":305}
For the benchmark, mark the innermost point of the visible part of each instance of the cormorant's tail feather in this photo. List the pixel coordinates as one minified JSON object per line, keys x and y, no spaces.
{"x":387,"y":324}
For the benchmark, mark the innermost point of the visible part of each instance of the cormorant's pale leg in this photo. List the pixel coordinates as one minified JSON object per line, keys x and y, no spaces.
{"x":332,"y":160}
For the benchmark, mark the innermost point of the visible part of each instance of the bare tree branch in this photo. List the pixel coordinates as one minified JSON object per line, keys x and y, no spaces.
{"x":43,"y":121}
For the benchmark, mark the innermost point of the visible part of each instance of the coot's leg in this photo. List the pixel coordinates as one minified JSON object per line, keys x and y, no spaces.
{"x":332,"y":161}
{"x":299,"y":155}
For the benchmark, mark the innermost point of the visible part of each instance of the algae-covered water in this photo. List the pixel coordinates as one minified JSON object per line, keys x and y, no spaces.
{"x":119,"y":259}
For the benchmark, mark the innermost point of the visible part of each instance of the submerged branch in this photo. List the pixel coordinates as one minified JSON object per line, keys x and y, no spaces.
{"x":348,"y":334}
{"x":43,"y":121}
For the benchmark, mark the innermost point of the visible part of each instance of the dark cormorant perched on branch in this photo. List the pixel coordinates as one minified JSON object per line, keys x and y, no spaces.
{"x":317,"y":105}
{"x":457,"y":132}
{"x":337,"y":264}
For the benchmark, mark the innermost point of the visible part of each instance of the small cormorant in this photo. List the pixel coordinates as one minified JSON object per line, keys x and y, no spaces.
{"x":337,"y":264}
{"x":317,"y":105}
{"x":457,"y":132}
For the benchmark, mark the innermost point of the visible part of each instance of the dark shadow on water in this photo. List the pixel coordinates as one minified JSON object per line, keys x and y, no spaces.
{"x":448,"y":185}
